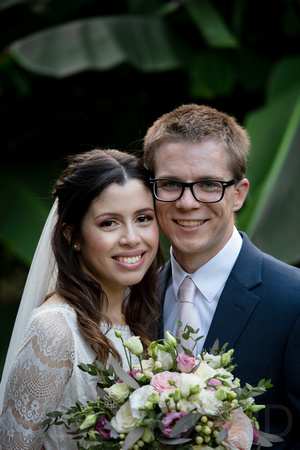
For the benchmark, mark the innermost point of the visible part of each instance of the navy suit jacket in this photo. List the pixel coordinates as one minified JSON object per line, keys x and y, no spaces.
{"x":258,"y":314}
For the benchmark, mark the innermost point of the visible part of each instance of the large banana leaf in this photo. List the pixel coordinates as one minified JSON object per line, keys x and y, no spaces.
{"x":211,"y":24}
{"x":9,"y":3}
{"x":101,"y":43}
{"x":146,"y":42}
{"x":271,"y":215}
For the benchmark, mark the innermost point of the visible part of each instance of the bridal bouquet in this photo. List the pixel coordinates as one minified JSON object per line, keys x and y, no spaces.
{"x":169,"y":400}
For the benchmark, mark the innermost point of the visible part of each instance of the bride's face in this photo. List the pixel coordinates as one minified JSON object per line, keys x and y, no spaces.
{"x":119,"y":236}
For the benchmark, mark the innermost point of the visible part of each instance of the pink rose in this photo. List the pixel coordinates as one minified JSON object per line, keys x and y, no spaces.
{"x":215,"y":382}
{"x":170,"y":420}
{"x":100,"y":427}
{"x":240,"y":432}
{"x":160,"y":381}
{"x":255,"y":434}
{"x":185,"y":363}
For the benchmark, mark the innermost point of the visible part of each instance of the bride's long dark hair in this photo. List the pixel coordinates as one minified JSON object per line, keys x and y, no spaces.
{"x":86,"y":176}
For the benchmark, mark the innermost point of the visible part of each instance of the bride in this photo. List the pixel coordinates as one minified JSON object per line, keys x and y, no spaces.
{"x":98,"y":275}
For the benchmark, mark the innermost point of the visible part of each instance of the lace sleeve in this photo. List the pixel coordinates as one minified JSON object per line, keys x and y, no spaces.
{"x":41,"y":370}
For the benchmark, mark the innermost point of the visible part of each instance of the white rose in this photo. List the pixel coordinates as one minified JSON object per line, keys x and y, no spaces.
{"x":188,"y":381}
{"x":134,"y":345}
{"x":213,"y":361}
{"x":137,"y":400}
{"x":206,"y":402}
{"x":147,"y":364}
{"x":185,"y":405}
{"x":205,"y":372}
{"x":165,"y":358}
{"x":123,"y":421}
{"x":119,"y":392}
{"x":162,"y":401}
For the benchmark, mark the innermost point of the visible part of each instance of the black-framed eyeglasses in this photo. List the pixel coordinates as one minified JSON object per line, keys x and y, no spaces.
{"x":204,"y":191}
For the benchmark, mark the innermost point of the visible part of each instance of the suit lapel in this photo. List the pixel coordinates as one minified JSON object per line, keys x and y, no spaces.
{"x":234,"y":310}
{"x":237,"y":302}
{"x":164,"y":277}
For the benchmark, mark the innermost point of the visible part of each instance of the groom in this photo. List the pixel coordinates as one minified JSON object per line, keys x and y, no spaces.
{"x":197,"y":157}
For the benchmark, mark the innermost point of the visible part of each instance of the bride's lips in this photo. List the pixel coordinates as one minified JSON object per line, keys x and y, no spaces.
{"x":130,"y":260}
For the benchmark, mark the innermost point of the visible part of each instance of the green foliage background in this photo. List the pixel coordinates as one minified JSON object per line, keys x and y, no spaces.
{"x":88,"y":73}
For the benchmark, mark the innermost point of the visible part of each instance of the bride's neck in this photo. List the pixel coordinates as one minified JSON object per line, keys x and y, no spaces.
{"x":114,"y":308}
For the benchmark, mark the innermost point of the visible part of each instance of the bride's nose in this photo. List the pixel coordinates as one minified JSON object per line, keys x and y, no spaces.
{"x":130,"y":236}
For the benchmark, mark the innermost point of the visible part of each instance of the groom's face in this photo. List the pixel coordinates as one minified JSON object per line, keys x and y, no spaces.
{"x":197,"y":231}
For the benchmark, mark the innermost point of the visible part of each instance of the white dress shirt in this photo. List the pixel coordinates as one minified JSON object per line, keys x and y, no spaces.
{"x":209,"y":279}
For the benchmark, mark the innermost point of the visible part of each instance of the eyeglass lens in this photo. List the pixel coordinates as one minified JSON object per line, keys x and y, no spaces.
{"x":204,"y":191}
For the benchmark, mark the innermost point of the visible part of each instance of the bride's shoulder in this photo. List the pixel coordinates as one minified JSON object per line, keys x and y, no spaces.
{"x":54,"y":305}
{"x":54,"y":300}
{"x":54,"y":322}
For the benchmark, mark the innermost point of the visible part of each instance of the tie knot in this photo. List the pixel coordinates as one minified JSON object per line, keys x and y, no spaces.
{"x":187,"y":291}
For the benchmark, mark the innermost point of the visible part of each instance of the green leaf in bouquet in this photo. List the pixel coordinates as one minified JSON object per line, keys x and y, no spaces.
{"x":198,"y":338}
{"x":187,"y":421}
{"x":55,"y":414}
{"x":79,"y":405}
{"x":131,"y":382}
{"x":222,"y":435}
{"x":215,"y":347}
{"x":89,"y":368}
{"x":257,"y":392}
{"x":254,"y":390}
{"x":75,"y":434}
{"x":263,"y":436}
{"x":101,"y":392}
{"x":114,"y":434}
{"x":191,"y":329}
{"x":265,"y":383}
{"x":99,"y":365}
{"x":262,"y":442}
{"x":195,"y":367}
{"x":186,"y":336}
{"x":178,"y":441}
{"x":102,"y":370}
{"x":45,"y":424}
{"x":132,"y":437}
{"x":153,"y":424}
{"x":222,"y":379}
{"x":80,"y":446}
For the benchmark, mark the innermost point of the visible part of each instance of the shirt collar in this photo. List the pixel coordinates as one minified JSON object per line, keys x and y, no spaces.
{"x":211,"y":277}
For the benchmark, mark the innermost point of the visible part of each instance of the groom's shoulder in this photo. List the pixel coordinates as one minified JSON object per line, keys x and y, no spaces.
{"x":165,"y":270}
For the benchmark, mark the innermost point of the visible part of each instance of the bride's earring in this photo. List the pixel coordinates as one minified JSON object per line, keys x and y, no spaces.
{"x":75,"y":246}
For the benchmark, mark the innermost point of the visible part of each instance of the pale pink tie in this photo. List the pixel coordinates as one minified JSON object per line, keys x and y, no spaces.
{"x":187,"y":313}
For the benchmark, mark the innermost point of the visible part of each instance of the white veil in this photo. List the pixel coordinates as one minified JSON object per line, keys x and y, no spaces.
{"x":40,"y":281}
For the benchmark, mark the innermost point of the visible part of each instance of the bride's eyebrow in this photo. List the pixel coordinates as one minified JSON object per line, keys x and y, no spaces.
{"x":107,"y":215}
{"x":143,"y":210}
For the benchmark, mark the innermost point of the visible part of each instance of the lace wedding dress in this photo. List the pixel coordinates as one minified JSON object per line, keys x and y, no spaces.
{"x":45,"y":377}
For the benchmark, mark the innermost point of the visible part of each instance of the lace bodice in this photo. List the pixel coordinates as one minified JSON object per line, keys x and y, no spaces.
{"x":45,"y":377}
